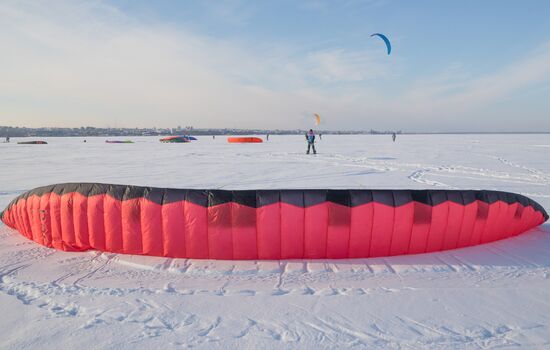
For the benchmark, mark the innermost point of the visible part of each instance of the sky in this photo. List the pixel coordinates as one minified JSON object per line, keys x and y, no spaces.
{"x":455,"y":65}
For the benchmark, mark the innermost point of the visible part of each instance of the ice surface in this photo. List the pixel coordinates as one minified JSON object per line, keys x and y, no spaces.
{"x":490,"y":296}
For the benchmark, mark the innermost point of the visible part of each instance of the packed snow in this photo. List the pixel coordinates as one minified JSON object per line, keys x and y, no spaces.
{"x":489,"y":296}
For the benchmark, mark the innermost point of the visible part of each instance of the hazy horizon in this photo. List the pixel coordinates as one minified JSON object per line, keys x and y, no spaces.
{"x":455,"y":67}
{"x":318,"y":129}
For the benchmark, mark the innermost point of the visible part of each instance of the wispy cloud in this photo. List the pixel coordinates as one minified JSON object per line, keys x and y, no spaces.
{"x":455,"y":92}
{"x":236,"y":12}
{"x":93,"y":63}
{"x":326,"y":5}
{"x":342,"y":66}
{"x":73,"y":63}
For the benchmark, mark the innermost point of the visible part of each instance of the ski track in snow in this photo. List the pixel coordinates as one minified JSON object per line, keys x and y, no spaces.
{"x":489,"y":296}
{"x":115,"y":284}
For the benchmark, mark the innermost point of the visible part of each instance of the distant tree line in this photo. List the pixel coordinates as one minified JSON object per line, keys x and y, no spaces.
{"x":9,"y":131}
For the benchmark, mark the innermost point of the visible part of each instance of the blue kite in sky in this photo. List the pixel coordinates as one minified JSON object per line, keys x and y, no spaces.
{"x":386,"y":40}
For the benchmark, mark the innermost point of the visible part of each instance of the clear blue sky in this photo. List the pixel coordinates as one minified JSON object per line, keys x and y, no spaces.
{"x":468,"y":65}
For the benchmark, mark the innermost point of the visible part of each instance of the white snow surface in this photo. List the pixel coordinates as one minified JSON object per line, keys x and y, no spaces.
{"x":490,"y":296}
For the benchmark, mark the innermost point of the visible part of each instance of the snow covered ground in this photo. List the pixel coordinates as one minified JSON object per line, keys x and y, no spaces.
{"x":490,"y":296}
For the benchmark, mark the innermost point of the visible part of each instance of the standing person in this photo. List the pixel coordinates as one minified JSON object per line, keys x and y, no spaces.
{"x":310,"y":138}
{"x":267,"y":137}
{"x":320,"y":136}
{"x":393,"y":136}
{"x":7,"y":139}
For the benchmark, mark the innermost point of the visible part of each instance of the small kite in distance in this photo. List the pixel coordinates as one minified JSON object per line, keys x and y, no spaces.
{"x":317,"y":119}
{"x":386,"y":40}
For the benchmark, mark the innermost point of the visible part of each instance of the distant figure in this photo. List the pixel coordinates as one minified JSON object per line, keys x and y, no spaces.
{"x":267,"y":137}
{"x":320,"y":136}
{"x":393,"y":136}
{"x":7,"y":139}
{"x":213,"y":137}
{"x":310,"y":138}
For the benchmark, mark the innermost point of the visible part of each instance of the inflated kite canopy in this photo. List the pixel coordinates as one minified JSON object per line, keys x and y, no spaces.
{"x":175,"y":139}
{"x":244,"y":140}
{"x":266,"y":224}
{"x":32,"y":143}
{"x":386,"y":41}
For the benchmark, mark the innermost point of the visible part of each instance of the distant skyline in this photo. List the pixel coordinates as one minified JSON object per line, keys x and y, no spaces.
{"x":455,"y":66}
